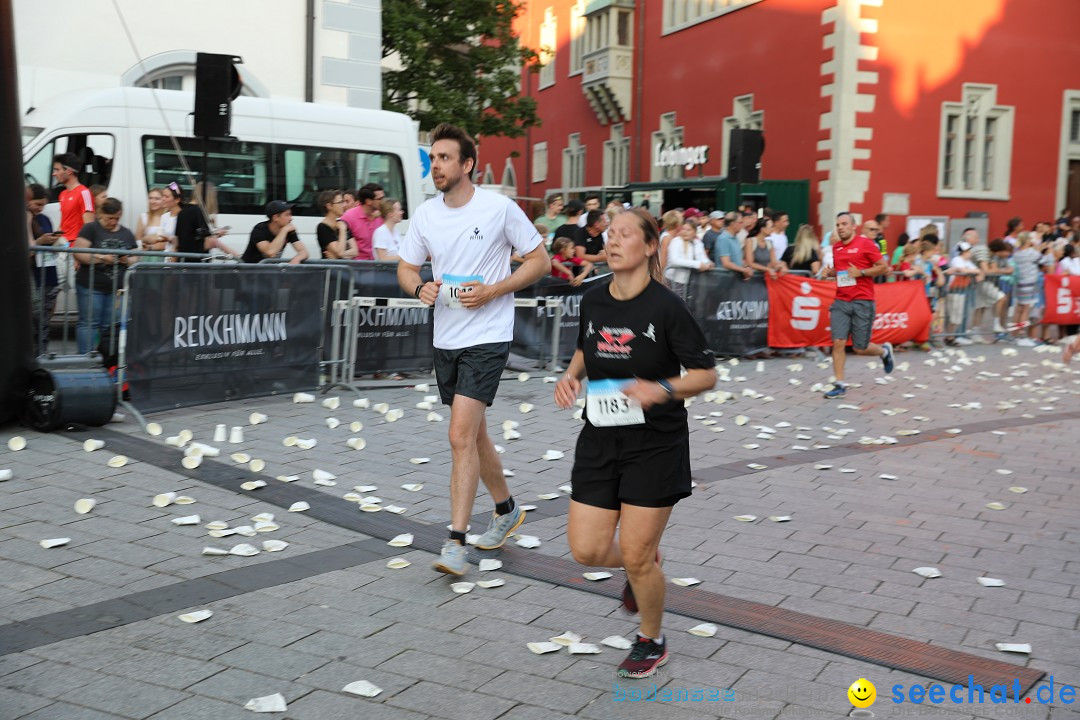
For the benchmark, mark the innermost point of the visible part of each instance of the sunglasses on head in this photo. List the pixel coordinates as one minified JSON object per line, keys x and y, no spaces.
{"x":174,"y":187}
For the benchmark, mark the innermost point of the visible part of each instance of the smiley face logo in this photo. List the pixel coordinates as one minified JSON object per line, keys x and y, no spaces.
{"x":862,"y":693}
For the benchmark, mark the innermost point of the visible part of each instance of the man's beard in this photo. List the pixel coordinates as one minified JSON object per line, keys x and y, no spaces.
{"x":450,"y":184}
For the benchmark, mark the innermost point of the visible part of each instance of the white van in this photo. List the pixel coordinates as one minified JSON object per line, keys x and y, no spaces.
{"x":280,"y":150}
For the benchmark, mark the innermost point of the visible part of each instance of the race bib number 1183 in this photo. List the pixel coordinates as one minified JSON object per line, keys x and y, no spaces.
{"x":607,"y":406}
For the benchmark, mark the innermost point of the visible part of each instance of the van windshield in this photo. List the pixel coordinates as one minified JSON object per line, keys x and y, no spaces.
{"x":29,"y":133}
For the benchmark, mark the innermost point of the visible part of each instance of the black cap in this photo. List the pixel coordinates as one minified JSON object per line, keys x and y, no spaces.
{"x":276,"y":206}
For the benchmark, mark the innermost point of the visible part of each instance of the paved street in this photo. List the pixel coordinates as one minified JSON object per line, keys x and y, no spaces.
{"x":90,"y":629}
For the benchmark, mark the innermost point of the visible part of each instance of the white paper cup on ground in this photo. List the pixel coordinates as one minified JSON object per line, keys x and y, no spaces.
{"x":332,"y":423}
{"x":290,"y":441}
{"x":270,"y":704}
{"x":175,"y":441}
{"x":118,"y":461}
{"x":240,"y":458}
{"x":362,"y":403}
{"x":154,"y":429}
{"x":5,"y":474}
{"x":16,"y":443}
{"x":274,"y":545}
{"x":220,"y":431}
{"x":357,"y":443}
{"x":331,"y":403}
{"x":191,"y":461}
{"x":257,"y":465}
{"x":54,"y":542}
{"x":302,"y":397}
{"x":196,"y":616}
{"x":92,"y":445}
{"x":362,"y":688}
{"x":257,"y":418}
{"x":85,"y":505}
{"x":236,"y":435}
{"x":306,"y":444}
{"x":188,"y":520}
{"x":244,"y":550}
{"x":164,"y":499}
{"x":299,"y":506}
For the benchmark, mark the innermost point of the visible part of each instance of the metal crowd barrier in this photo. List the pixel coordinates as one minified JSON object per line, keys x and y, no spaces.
{"x":96,"y":330}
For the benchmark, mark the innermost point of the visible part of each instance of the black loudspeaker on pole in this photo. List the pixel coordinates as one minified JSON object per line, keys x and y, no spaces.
{"x":16,"y":344}
{"x":217,"y":84}
{"x":744,"y":156}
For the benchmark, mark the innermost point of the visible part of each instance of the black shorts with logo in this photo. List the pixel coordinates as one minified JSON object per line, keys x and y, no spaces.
{"x":471,"y":371}
{"x":632,"y":465}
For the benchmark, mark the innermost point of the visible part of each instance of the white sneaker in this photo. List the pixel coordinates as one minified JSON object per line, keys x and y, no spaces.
{"x":964,"y":341}
{"x":998,"y":327}
{"x":1026,"y":342}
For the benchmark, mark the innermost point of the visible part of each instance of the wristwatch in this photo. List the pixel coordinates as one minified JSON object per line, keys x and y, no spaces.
{"x":419,"y":287}
{"x":667,"y":386}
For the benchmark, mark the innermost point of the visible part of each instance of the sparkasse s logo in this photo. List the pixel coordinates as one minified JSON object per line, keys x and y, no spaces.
{"x":805,"y":311}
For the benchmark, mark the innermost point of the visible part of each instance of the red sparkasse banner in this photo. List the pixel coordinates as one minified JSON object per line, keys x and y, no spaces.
{"x":1061,"y":299}
{"x":799,"y":312}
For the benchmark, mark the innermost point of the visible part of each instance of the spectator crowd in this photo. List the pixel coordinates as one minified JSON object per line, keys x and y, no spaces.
{"x":978,"y":290}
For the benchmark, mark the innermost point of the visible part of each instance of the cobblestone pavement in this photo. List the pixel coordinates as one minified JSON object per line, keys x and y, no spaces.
{"x":327,"y":611}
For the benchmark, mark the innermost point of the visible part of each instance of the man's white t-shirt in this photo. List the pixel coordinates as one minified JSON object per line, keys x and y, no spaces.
{"x":779,"y":242}
{"x":470,"y":242}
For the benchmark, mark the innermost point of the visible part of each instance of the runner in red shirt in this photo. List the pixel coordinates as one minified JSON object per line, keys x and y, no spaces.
{"x":76,"y":203}
{"x":856,"y":261}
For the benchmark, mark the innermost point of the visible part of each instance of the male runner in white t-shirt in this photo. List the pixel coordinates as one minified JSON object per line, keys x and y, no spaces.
{"x":469,"y":233}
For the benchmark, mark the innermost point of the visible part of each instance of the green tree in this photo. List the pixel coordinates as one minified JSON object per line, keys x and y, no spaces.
{"x":460,"y":62}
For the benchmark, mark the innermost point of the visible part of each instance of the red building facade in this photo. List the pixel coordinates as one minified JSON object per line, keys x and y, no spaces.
{"x":918,"y":108}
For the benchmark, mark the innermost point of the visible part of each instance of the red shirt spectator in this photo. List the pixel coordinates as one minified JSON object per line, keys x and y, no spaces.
{"x":862,"y":253}
{"x":76,"y":203}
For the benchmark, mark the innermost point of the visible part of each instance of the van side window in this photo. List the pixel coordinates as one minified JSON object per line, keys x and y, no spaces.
{"x":240,"y":170}
{"x":303,"y":172}
{"x":95,"y":152}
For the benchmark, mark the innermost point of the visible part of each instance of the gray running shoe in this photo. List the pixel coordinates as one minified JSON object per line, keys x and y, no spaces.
{"x":499,"y":528}
{"x":452,"y":559}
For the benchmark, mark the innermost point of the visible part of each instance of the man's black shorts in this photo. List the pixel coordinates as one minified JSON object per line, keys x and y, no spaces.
{"x":471,"y":371}
{"x":631,"y":465}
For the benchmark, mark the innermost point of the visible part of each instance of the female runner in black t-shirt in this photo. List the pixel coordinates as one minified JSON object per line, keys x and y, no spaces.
{"x":632,"y":462}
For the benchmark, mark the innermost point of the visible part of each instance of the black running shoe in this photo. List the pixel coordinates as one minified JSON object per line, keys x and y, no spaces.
{"x":644,"y":659}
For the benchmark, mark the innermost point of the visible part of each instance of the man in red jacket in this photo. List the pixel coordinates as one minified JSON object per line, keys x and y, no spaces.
{"x":856,"y":261}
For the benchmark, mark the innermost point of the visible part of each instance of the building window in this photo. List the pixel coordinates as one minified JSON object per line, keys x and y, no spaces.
{"x":743,"y":117}
{"x":539,"y":162}
{"x":1074,"y":127}
{"x":577,"y":36}
{"x":668,"y":136}
{"x":172,"y":82}
{"x":548,"y":43}
{"x":622,"y":30}
{"x":573,"y":169}
{"x":976,"y":145}
{"x":681,"y":14}
{"x":509,"y":176}
{"x":617,"y":158}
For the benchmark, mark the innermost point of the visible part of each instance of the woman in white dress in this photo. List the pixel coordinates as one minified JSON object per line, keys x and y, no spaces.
{"x":150,"y":231}
{"x":386,"y":237}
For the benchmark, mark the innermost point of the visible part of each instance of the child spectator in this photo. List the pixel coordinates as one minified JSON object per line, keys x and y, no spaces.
{"x":566,"y":265}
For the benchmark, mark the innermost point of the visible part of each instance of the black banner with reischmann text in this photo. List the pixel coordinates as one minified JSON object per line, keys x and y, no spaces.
{"x":201,"y":334}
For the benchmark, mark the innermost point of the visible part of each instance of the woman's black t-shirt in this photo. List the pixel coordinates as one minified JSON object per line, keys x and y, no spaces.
{"x":325,"y":235}
{"x":191,"y":230}
{"x":648,"y":337}
{"x":789,"y":256}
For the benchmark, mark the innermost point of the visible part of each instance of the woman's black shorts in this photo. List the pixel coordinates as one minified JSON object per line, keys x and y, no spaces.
{"x":631,"y":465}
